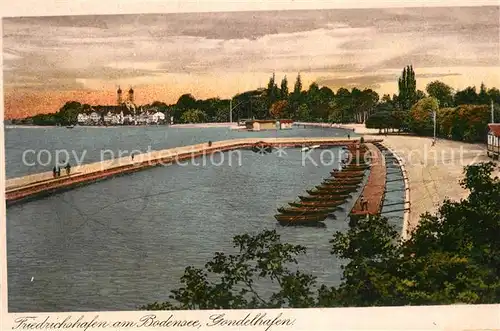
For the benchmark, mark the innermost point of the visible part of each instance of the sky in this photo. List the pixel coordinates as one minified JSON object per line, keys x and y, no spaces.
{"x":50,"y":60}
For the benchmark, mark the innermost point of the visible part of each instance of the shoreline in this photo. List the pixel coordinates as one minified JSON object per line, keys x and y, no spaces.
{"x":433,"y":172}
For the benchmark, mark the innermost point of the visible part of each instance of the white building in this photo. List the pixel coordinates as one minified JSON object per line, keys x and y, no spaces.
{"x":95,"y":117}
{"x":83,"y":118}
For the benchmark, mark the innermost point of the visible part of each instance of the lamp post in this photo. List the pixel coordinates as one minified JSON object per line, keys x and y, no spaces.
{"x":492,"y":112}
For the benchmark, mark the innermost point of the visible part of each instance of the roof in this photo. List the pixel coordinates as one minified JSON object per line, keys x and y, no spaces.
{"x":262,"y":121}
{"x":495,"y":128}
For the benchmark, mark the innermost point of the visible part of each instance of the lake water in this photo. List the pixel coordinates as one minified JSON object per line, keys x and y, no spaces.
{"x":124,"y":242}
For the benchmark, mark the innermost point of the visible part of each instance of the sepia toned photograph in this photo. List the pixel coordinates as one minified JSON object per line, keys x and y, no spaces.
{"x":251,"y":160}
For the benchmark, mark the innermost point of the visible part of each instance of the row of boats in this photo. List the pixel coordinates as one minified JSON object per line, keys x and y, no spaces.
{"x":326,"y":198}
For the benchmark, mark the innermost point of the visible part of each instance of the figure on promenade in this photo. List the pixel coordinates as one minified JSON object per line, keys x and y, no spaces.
{"x":132,"y":156}
{"x":58,"y":171}
{"x":363,"y":203}
{"x":68,"y":168}
{"x":348,"y":136}
{"x":54,"y":171}
{"x":209,"y":143}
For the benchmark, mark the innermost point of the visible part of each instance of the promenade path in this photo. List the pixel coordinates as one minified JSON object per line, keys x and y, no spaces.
{"x":374,"y":190}
{"x":433,"y":172}
{"x":42,"y":183}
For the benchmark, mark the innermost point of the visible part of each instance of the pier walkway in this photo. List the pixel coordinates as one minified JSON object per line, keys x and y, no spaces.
{"x":21,"y":188}
{"x":374,"y":190}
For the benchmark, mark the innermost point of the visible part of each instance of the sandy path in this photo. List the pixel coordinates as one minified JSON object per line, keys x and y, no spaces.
{"x":434,"y":172}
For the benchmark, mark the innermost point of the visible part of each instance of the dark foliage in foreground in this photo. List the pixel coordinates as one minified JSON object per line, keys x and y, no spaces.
{"x":453,"y":257}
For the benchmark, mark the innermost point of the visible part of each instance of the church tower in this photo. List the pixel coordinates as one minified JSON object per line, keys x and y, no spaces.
{"x":131,"y":95}
{"x":119,"y":99}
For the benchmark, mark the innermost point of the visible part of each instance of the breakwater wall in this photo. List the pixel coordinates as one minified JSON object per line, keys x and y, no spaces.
{"x":38,"y":185}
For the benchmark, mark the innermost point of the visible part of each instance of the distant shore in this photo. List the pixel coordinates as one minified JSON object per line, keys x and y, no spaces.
{"x":189,"y":125}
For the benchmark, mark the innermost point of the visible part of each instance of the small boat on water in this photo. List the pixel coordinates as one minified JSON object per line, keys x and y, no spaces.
{"x":331,"y":191}
{"x":306,"y":210}
{"x":70,"y":126}
{"x":340,"y":198}
{"x":300,"y":219}
{"x":347,"y":174}
{"x":340,"y":186}
{"x":344,"y":181}
{"x":317,"y":204}
{"x":337,"y":187}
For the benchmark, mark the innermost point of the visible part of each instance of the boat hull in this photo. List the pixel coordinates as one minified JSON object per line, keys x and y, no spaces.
{"x":316,"y":204}
{"x":332,"y":198}
{"x":300,"y":219}
{"x":306,"y":210}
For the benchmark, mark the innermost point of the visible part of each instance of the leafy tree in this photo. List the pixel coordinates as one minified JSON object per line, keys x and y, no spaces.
{"x":193,"y":116}
{"x":304,"y":113}
{"x":279,"y":109}
{"x":442,"y":92}
{"x":186,"y":101}
{"x":421,"y":116}
{"x":452,"y":257}
{"x":483,"y":97}
{"x":407,"y":88}
{"x":68,"y":113}
{"x":468,"y":96}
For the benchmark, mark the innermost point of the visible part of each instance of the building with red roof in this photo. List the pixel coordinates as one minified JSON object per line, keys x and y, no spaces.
{"x":494,"y":140}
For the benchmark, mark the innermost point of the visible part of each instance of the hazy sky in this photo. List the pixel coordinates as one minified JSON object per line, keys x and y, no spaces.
{"x":49,"y":60}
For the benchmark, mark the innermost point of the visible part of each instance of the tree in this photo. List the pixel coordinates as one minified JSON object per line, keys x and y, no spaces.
{"x":272,"y":91}
{"x":468,"y":96}
{"x":297,"y":88}
{"x":304,"y":113}
{"x":68,"y":113}
{"x":452,"y":257}
{"x":279,"y":109}
{"x":186,"y":101}
{"x":193,"y":116}
{"x":421,"y":116}
{"x":407,"y":88}
{"x":442,"y":92}
{"x":284,"y":88}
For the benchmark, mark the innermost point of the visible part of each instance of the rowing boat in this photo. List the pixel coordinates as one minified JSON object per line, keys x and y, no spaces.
{"x":317,"y":204}
{"x":332,"y":198}
{"x":300,"y":219}
{"x":306,"y":210}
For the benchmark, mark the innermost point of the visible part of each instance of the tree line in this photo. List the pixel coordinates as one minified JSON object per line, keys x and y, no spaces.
{"x":452,"y":257}
{"x":461,"y":115}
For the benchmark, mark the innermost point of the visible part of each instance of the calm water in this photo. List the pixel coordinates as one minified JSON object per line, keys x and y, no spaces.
{"x":125,"y":242}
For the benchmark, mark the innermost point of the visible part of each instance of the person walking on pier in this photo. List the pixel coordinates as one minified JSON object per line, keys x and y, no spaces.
{"x":54,"y":171}
{"x":68,"y":168}
{"x":348,"y":136}
{"x":363,"y":203}
{"x":58,"y":171}
{"x":209,"y":143}
{"x":132,"y":156}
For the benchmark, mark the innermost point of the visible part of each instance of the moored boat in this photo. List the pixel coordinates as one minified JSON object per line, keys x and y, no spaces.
{"x":300,"y":219}
{"x":317,"y":203}
{"x":330,"y":191}
{"x":331,"y":198}
{"x":306,"y":210}
{"x":347,"y":174}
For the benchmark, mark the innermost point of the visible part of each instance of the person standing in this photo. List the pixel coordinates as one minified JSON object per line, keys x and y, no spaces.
{"x":348,"y":136}
{"x":58,"y":171}
{"x":362,"y":202}
{"x":54,"y":171}
{"x":68,"y":168}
